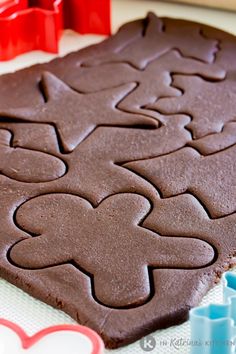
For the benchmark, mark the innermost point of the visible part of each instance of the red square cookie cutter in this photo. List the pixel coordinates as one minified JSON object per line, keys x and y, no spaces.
{"x":27,"y":25}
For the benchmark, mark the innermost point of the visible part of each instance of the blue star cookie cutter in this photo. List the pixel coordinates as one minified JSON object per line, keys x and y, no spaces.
{"x":213,"y":327}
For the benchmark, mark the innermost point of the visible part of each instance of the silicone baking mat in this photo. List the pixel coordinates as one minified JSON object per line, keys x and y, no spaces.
{"x":33,"y":315}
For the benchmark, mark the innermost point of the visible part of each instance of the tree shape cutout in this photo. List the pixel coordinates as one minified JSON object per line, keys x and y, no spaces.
{"x":215,"y":142}
{"x":70,"y":229}
{"x":183,"y":215}
{"x":76,"y":115}
{"x":226,"y":55}
{"x":157,"y":40}
{"x":27,"y":165}
{"x":152,"y":83}
{"x":186,"y":170}
{"x":190,"y":218}
{"x":198,"y":96}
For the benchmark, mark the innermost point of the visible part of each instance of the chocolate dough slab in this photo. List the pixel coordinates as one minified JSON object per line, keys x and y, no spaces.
{"x":117,"y":176}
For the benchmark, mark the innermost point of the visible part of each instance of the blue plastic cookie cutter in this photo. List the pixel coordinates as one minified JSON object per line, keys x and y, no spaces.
{"x":213,"y":327}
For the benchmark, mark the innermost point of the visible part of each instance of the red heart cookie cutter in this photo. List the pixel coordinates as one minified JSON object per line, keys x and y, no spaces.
{"x":85,"y":335}
{"x":27,"y":25}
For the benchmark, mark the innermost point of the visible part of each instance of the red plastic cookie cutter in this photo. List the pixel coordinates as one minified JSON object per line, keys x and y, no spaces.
{"x":56,"y":340}
{"x":27,"y":25}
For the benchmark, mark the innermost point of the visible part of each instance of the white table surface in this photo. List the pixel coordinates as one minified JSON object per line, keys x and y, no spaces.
{"x":31,"y":314}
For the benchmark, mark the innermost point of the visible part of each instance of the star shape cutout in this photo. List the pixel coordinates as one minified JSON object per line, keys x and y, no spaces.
{"x":76,"y":115}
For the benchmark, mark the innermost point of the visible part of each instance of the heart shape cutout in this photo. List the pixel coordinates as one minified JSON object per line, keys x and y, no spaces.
{"x":61,"y":339}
